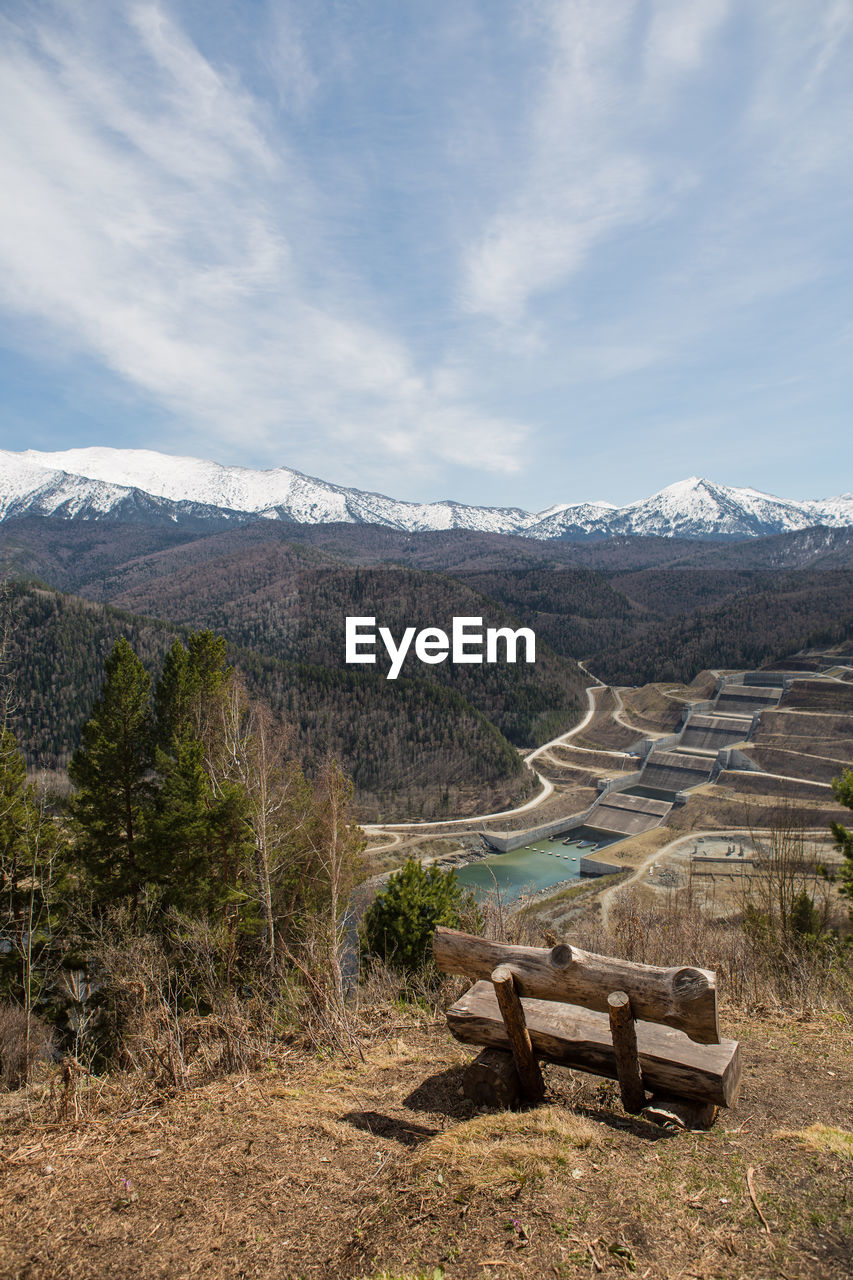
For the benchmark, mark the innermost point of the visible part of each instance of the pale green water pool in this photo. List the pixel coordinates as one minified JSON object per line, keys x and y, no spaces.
{"x":542,"y":864}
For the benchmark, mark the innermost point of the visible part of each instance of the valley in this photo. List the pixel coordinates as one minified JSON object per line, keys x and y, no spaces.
{"x":656,"y":787}
{"x":444,"y":739}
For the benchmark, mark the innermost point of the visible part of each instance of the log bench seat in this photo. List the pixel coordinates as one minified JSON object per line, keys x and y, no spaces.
{"x":570,"y":1036}
{"x":649,"y":1028}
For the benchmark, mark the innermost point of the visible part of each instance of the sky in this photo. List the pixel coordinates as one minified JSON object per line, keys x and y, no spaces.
{"x":512,"y":252}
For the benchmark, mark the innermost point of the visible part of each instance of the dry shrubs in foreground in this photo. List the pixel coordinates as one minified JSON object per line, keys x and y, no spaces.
{"x":758,"y":965}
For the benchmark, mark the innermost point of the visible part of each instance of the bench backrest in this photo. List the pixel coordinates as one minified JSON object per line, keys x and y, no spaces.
{"x":684,"y":998}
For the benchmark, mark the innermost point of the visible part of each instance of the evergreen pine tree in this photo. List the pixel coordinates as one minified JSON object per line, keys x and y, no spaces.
{"x":180,"y":830}
{"x":199,"y":831}
{"x":112,"y":773}
{"x":191,"y":687}
{"x":399,"y":925}
{"x":174,"y":697}
{"x":804,"y":917}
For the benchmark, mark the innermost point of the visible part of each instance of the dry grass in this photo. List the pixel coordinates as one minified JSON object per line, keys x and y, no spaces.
{"x":603,"y":730}
{"x":744,"y":799}
{"x":315,"y":1167}
{"x":494,"y":1149}
{"x":823,"y":1137}
{"x":24,"y":1042}
{"x":753,"y":971}
{"x":436,"y":1273}
{"x":655,"y":707}
{"x":590,"y":764}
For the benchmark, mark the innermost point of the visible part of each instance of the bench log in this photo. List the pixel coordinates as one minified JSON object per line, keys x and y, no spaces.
{"x":623,"y":1033}
{"x":512,"y":1013}
{"x":684,"y":998}
{"x":574,"y":1037}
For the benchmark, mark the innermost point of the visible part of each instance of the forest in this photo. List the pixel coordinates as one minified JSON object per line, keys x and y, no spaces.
{"x":422,"y":750}
{"x":195,"y":859}
{"x":442,"y":739}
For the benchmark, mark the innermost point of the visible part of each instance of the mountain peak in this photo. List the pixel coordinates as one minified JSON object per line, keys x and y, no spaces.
{"x":102,"y":482}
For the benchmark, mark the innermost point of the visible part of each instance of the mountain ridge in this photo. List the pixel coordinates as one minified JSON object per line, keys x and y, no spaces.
{"x":140,"y":484}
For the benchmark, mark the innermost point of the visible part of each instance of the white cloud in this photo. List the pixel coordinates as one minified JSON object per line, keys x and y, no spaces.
{"x":303,"y":261}
{"x":283,"y":51}
{"x":591,"y":170}
{"x":160,"y":226}
{"x":679,"y":34}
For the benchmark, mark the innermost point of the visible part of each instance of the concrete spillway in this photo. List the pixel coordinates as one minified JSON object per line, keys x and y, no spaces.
{"x":628,"y":815}
{"x":743,"y":699}
{"x":675,"y":771}
{"x":710,"y":733}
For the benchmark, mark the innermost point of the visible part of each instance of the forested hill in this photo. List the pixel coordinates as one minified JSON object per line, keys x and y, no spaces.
{"x":441,"y":737}
{"x":670,"y":624}
{"x":101,"y":560}
{"x":56,"y":647}
{"x":413,"y":747}
{"x":267,"y":599}
{"x":634,"y":609}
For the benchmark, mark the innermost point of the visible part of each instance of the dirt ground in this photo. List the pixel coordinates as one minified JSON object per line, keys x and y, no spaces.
{"x":381,"y":1169}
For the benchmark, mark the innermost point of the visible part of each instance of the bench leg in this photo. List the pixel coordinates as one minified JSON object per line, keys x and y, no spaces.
{"x":509,"y":1003}
{"x":625,"y":1048}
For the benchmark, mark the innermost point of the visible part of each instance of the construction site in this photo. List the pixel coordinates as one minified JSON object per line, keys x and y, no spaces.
{"x":648,"y":768}
{"x":753,"y":721}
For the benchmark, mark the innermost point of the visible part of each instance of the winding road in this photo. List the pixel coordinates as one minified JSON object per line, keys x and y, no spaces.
{"x":606,"y":898}
{"x":547,"y":787}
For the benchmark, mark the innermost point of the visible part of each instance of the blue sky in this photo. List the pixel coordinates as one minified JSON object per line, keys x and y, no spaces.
{"x":515,"y":253}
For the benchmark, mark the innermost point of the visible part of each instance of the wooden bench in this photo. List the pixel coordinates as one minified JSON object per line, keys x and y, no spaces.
{"x":649,"y":1028}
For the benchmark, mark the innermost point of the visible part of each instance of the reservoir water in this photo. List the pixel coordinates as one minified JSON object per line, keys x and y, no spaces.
{"x":537,"y":866}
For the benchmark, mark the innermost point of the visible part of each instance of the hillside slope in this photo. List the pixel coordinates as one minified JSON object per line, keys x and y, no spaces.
{"x":347,"y":1170}
{"x":269,"y":600}
{"x":412,"y":747}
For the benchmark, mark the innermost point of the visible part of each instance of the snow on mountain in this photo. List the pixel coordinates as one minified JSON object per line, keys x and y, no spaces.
{"x":104,"y":483}
{"x":697,"y":508}
{"x":279,"y":493}
{"x":27,"y":488}
{"x":832,"y":511}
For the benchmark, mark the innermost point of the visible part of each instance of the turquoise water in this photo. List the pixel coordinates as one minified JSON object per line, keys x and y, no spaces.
{"x":543,"y":863}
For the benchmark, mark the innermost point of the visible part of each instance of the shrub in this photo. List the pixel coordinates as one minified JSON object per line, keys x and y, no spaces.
{"x":399,"y":925}
{"x":23,"y":1041}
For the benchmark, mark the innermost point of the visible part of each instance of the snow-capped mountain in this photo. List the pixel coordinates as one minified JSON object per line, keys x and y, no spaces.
{"x":97,"y":484}
{"x":696,"y":508}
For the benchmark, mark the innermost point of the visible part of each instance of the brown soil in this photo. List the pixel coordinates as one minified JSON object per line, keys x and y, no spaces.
{"x":656,"y":707}
{"x":813,"y":726}
{"x":603,"y":730}
{"x":715,"y":806}
{"x":818,"y":695}
{"x":595,"y":763}
{"x":756,"y":786}
{"x":797,"y":764}
{"x":381,"y":1169}
{"x":703,"y":685}
{"x":567,"y":799}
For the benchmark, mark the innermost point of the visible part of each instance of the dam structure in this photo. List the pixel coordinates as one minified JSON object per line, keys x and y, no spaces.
{"x":710,"y":739}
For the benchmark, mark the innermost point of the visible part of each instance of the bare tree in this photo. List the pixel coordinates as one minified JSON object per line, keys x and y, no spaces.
{"x":786,"y":868}
{"x":256,"y":755}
